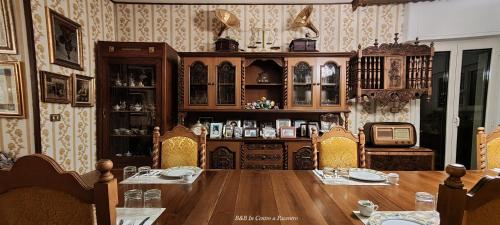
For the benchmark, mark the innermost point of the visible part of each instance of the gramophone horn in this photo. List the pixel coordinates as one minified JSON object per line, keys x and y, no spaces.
{"x":227,"y":19}
{"x":303,"y":20}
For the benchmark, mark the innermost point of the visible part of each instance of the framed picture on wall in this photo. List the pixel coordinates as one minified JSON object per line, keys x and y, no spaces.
{"x":83,"y":91}
{"x":65,"y":41}
{"x":7,"y":31}
{"x":55,"y":87}
{"x":11,"y":90}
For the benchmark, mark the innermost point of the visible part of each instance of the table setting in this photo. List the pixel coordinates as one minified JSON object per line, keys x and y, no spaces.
{"x":173,"y":175}
{"x":355,"y":176}
{"x":137,"y":216}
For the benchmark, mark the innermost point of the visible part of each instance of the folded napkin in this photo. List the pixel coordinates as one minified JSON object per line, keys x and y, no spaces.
{"x":343,"y":180}
{"x":134,"y":216}
{"x":155,"y":177}
{"x":430,"y":217}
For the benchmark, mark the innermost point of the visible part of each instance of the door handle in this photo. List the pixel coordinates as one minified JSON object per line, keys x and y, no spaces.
{"x":456,"y":121}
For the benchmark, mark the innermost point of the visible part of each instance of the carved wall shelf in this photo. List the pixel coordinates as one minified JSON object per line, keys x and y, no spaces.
{"x":391,"y":74}
{"x":361,"y":3}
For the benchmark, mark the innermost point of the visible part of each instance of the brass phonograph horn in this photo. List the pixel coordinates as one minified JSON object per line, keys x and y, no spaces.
{"x":303,"y":20}
{"x":227,"y":19}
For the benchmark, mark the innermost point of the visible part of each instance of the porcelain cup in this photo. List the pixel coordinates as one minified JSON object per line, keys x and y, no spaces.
{"x":187,"y":177}
{"x":393,"y":178}
{"x":367,"y":207}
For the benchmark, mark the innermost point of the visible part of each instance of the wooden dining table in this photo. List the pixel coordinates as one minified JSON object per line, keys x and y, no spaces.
{"x":220,"y":197}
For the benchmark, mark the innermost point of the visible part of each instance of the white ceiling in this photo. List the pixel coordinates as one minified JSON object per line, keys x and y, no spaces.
{"x":259,"y":2}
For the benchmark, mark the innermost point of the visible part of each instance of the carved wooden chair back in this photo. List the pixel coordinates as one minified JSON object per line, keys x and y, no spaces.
{"x":179,"y":147}
{"x":488,"y":149}
{"x":38,"y":191}
{"x":479,"y":206}
{"x":338,"y":148}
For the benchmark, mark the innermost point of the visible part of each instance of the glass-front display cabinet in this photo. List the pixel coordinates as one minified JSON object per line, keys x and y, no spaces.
{"x":212,"y":83}
{"x":132,"y":88}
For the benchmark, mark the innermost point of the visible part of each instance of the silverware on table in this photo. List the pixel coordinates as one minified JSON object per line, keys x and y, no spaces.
{"x":144,"y":221}
{"x":121,"y":222}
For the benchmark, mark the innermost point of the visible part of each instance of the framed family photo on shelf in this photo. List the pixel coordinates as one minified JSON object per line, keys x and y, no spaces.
{"x":7,"y":32}
{"x":83,"y":91}
{"x":11,"y":90}
{"x":65,"y":41}
{"x":55,"y":88}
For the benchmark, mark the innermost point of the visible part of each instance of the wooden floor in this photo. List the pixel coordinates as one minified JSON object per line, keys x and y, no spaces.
{"x":220,"y":197}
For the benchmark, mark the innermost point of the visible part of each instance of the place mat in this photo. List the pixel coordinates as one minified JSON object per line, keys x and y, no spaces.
{"x":343,"y":180}
{"x":137,"y":215}
{"x":155,"y":178}
{"x":430,"y":217}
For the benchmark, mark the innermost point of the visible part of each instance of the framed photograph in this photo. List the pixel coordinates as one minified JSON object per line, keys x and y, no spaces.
{"x":238,"y":132}
{"x":283,"y":123}
{"x":263,"y":124}
{"x":310,"y":127}
{"x":7,"y":32}
{"x":11,"y":90}
{"x":249,"y":124}
{"x":65,"y":41}
{"x":234,"y":123}
{"x":297,"y":123}
{"x":288,"y":132}
{"x":228,"y":131}
{"x":250,"y":132}
{"x":330,"y":120}
{"x":83,"y":91}
{"x":55,"y":87}
{"x":215,"y":130}
{"x":268,"y":132}
{"x":303,"y":130}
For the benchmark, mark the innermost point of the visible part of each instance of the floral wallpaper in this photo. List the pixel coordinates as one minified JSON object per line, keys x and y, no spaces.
{"x":194,"y":27}
{"x":72,"y":141}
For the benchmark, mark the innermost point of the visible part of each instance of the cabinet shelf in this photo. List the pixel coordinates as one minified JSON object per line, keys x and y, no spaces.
{"x":264,"y":85}
{"x":134,"y":88}
{"x":129,"y":111}
{"x":319,"y":111}
{"x":260,"y":139}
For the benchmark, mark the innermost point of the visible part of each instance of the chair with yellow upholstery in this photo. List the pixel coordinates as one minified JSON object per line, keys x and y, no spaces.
{"x":179,"y":147}
{"x":36,"y":190}
{"x":338,"y":148}
{"x":488,"y":149}
{"x":478,"y":206}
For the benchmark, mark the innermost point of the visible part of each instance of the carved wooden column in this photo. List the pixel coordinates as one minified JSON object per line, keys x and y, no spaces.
{"x":106,"y":193}
{"x":156,"y":148}
{"x":452,"y":196}
{"x":203,"y":153}
{"x":315,"y":147}
{"x":481,"y":142}
{"x":362,"y":139}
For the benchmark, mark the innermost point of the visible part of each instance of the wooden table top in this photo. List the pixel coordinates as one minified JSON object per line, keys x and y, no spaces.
{"x":219,"y":197}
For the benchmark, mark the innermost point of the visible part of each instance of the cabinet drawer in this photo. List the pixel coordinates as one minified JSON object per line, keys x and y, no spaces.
{"x":259,"y":146}
{"x":264,"y":157}
{"x":263,"y":165}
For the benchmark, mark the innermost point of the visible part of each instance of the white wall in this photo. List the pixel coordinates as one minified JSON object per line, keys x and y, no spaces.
{"x":445,"y":19}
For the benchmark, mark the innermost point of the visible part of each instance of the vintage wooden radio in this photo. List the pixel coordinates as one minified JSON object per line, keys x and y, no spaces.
{"x":390,"y":134}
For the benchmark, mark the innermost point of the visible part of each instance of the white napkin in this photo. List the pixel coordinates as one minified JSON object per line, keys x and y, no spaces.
{"x":134,"y":216}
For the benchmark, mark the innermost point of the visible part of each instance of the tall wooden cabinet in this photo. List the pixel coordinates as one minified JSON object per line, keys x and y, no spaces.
{"x":220,"y":85}
{"x":135,"y":89}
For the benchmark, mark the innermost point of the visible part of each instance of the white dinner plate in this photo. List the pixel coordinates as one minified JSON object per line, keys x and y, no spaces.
{"x":178,"y":172}
{"x":367,"y":175}
{"x":410,"y":218}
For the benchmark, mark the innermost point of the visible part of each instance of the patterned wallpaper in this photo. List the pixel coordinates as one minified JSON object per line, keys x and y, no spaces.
{"x":193,"y":28}
{"x":17,"y":134}
{"x":72,"y":140}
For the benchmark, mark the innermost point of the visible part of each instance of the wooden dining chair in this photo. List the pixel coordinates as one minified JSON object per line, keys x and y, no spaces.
{"x":38,"y":191}
{"x":338,"y":148}
{"x":479,"y":206}
{"x":179,"y":147}
{"x":488,"y":149}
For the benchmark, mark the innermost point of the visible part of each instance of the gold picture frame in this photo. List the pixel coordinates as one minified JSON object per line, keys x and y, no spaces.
{"x":56,"y":88}
{"x":11,"y":90}
{"x":83,"y":91}
{"x":8,"y":43}
{"x":65,"y":41}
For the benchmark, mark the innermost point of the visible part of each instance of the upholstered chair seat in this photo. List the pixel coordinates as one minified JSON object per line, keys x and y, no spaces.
{"x":488,"y":149}
{"x":338,"y":148}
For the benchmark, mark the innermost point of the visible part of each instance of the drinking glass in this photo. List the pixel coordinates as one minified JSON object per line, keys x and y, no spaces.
{"x":344,"y":172}
{"x":129,"y":171}
{"x":152,"y":198}
{"x":133,"y":199}
{"x":144,"y":170}
{"x":424,"y":202}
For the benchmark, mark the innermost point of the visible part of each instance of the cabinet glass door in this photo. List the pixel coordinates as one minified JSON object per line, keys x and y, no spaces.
{"x":198,"y":84}
{"x":132,"y":109}
{"x":330,"y":84}
{"x":226,"y":83}
{"x":302,"y":84}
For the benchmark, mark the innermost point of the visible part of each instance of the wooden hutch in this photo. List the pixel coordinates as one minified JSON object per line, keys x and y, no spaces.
{"x":134,"y":89}
{"x":220,"y":85}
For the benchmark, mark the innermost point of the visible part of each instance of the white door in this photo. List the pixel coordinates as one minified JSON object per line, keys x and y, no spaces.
{"x":468,"y":88}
